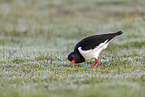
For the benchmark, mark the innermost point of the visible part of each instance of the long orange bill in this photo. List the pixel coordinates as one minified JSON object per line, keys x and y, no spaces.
{"x":73,"y":63}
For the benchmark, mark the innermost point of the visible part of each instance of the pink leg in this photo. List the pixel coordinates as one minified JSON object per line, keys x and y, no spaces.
{"x":96,"y":63}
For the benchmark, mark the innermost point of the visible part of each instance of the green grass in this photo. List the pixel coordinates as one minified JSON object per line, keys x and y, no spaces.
{"x":37,"y":35}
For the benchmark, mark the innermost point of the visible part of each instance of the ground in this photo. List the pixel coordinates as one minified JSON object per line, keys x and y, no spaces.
{"x":36,"y":37}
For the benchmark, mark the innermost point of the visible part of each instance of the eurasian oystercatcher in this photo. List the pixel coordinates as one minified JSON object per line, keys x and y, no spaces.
{"x":90,"y":47}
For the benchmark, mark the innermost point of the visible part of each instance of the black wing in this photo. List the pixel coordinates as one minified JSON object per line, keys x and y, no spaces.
{"x":92,"y":41}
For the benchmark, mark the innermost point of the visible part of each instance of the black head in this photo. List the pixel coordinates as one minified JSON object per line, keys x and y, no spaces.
{"x":71,"y":56}
{"x":76,"y":57}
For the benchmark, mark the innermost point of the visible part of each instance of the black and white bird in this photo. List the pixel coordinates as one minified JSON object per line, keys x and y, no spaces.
{"x":90,"y":47}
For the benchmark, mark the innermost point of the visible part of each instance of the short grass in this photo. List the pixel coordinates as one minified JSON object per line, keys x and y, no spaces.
{"x":37,"y":35}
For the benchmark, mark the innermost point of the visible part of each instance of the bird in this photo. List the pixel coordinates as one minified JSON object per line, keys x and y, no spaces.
{"x":90,"y":48}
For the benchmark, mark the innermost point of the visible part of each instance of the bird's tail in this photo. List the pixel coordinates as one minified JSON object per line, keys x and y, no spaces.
{"x":119,"y":33}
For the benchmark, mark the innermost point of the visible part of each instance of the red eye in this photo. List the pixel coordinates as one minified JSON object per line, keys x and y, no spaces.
{"x":72,"y":55}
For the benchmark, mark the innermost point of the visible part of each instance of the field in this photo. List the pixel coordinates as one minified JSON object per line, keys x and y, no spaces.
{"x":36,"y":37}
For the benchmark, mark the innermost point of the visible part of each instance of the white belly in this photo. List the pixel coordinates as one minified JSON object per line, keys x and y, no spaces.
{"x":93,"y":53}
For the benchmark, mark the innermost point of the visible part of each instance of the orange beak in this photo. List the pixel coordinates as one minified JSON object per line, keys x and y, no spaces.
{"x":73,"y":63}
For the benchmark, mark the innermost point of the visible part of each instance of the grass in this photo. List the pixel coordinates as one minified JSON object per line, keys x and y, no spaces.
{"x":36,"y":37}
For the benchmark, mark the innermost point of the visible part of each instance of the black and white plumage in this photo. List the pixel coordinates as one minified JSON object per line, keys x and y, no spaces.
{"x":90,"y":47}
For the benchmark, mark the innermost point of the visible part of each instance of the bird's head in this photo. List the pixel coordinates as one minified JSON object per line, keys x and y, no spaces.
{"x":71,"y":57}
{"x":75,"y":57}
